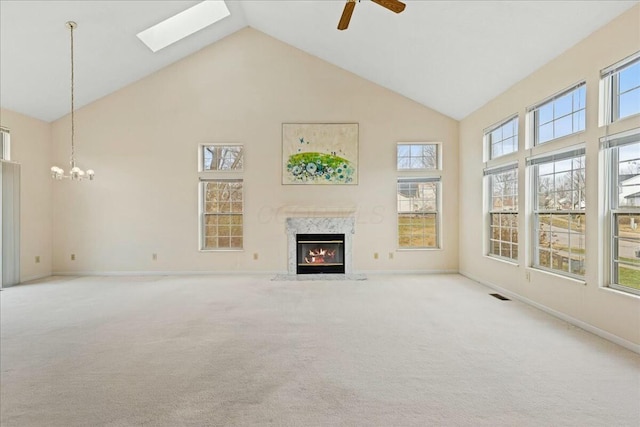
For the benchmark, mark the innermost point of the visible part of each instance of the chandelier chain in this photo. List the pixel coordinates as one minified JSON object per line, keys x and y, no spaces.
{"x":73,"y":130}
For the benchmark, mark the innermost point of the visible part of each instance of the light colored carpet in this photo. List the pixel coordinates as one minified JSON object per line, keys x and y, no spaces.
{"x":405,"y":350}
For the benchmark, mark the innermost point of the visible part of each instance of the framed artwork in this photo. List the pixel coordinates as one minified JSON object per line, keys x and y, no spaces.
{"x":320,"y":154}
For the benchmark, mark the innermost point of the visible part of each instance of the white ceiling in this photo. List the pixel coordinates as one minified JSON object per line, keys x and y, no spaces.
{"x":452,"y":56}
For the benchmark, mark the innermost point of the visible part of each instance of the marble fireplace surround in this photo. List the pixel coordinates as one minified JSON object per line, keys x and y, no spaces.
{"x":320,"y":225}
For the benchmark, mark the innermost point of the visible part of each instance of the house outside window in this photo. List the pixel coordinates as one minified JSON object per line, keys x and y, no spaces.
{"x":561,"y":115}
{"x":558,"y":214}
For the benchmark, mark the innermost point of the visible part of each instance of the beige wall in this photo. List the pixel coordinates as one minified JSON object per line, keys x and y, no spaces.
{"x":31,"y":147}
{"x":610,"y":311}
{"x":142,"y":142}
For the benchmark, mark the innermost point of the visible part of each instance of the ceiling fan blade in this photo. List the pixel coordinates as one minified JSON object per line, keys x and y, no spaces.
{"x":346,"y":15}
{"x":393,"y":5}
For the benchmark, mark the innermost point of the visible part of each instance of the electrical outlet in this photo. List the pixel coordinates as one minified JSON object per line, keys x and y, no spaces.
{"x":527,"y":276}
{"x":390,"y":255}
{"x":255,"y":255}
{"x":37,"y":259}
{"x":154,"y":257}
{"x":73,"y":257}
{"x":375,"y":255}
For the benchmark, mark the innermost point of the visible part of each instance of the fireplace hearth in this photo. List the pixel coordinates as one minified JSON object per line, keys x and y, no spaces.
{"x":320,"y":253}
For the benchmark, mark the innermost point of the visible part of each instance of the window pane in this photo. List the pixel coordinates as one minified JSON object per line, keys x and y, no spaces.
{"x":496,"y":135}
{"x":404,"y":150}
{"x":629,"y":77}
{"x":628,"y":275}
{"x":629,"y":175}
{"x":563,"y":126}
{"x":417,"y":156}
{"x":561,"y":116}
{"x":417,"y":230}
{"x":559,"y":237}
{"x":496,"y":150}
{"x":417,"y":214}
{"x":222,"y":214}
{"x":503,"y":216}
{"x":628,"y":234}
{"x":626,"y":260}
{"x":563,"y":105}
{"x":545,"y":114}
{"x":629,"y":103}
{"x":504,"y":139}
{"x":545,"y":133}
{"x":222,"y":157}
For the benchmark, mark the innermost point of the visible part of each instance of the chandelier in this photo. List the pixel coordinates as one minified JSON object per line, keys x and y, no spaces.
{"x":75,"y":173}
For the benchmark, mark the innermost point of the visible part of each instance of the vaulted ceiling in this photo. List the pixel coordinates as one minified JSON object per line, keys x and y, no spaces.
{"x":452,"y":56}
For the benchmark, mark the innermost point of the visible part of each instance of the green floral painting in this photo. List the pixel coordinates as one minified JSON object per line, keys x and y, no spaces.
{"x":320,"y":153}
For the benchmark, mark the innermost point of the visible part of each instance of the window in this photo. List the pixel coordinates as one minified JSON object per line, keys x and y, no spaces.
{"x":222,"y":209}
{"x":418,"y":212}
{"x":561,"y":115}
{"x":502,"y":139}
{"x":621,"y":83}
{"x":220,"y":157}
{"x":417,"y":156}
{"x":559,"y":212}
{"x":503,"y":211}
{"x":624,"y":157}
{"x":5,"y":144}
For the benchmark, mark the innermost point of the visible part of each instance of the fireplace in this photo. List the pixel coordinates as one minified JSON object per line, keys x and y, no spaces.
{"x":320,"y":253}
{"x":334,"y":234}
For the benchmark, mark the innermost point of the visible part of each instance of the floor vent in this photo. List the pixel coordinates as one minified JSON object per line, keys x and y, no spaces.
{"x":500,"y":297}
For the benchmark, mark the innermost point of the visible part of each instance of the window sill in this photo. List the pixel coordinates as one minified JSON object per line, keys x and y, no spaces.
{"x":221,"y":250}
{"x":503,"y":260}
{"x":620,"y":292}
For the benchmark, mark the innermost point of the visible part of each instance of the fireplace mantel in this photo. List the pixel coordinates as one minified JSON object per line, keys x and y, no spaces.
{"x":319,"y":225}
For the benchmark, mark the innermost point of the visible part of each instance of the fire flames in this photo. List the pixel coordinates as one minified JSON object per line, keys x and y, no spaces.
{"x":320,"y":256}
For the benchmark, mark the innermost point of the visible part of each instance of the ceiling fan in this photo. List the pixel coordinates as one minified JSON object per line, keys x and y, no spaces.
{"x":393,"y":5}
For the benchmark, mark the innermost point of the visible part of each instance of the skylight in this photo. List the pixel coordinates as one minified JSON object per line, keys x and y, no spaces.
{"x":184,"y":24}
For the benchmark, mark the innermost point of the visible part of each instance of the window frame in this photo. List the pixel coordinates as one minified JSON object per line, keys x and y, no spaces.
{"x":489,"y":174}
{"x":533,"y":164}
{"x":488,"y":142}
{"x":202,"y":185}
{"x":202,"y":156}
{"x":533,"y":113}
{"x":5,"y":144}
{"x":437,"y":180}
{"x":611,"y":146}
{"x":609,"y":90}
{"x":438,"y":162}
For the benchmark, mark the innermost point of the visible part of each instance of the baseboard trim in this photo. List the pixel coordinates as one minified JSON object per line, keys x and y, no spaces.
{"x":162,"y":273}
{"x":32,"y":278}
{"x":394,"y":272}
{"x":575,"y":322}
{"x":230,"y":272}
